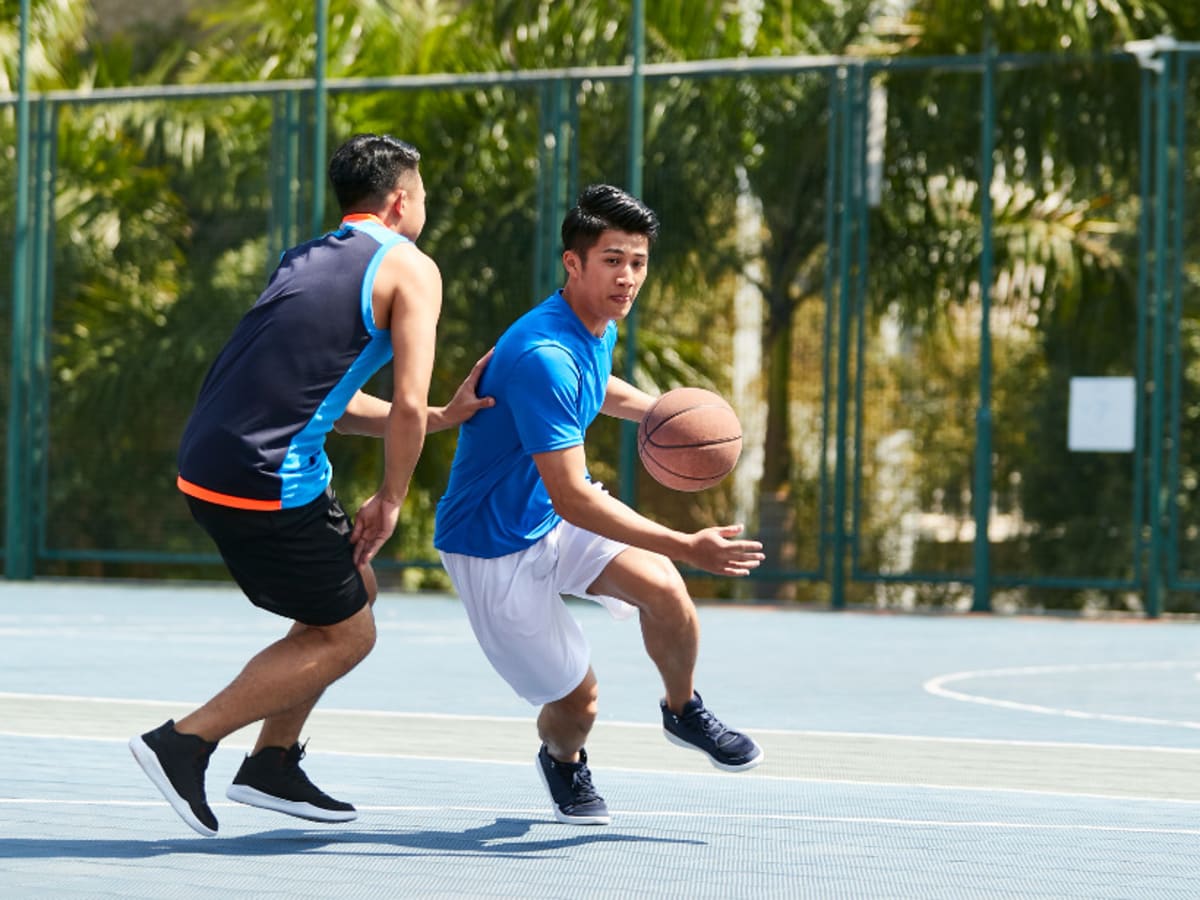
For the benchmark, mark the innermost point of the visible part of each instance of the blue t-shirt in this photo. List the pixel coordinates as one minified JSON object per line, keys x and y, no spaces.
{"x":549,"y":376}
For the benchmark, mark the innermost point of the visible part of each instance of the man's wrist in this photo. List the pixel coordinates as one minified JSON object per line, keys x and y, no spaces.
{"x":394,"y":497}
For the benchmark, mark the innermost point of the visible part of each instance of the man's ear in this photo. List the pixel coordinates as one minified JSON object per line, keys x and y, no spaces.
{"x":572,"y":263}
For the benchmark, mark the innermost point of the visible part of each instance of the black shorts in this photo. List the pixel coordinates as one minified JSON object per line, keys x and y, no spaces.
{"x":297,"y":563}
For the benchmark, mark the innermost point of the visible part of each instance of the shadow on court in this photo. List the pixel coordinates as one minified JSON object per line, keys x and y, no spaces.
{"x":503,"y":838}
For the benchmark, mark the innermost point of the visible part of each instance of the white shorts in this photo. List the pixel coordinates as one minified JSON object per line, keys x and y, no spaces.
{"x":516,"y":607}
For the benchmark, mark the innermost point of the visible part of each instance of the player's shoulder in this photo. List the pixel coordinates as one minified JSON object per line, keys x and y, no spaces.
{"x":540,"y":362}
{"x":406,"y":252}
{"x":405,"y":260}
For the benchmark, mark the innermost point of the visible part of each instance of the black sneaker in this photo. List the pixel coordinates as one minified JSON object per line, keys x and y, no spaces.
{"x":699,"y":729}
{"x":176,"y":764}
{"x":570,"y":785}
{"x":272,"y":779}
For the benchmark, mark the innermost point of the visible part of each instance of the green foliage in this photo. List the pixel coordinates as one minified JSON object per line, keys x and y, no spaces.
{"x":1021,"y":26}
{"x":56,"y":41}
{"x":162,"y":209}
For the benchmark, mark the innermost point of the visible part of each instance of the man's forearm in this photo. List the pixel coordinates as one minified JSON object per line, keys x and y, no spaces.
{"x":403,"y":440}
{"x":603,"y":514}
{"x":365,"y":414}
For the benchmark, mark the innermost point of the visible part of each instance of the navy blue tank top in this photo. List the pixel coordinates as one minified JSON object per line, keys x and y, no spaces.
{"x":256,"y":437}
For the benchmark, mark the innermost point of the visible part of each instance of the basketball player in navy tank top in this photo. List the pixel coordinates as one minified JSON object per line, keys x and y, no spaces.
{"x":253,"y":468}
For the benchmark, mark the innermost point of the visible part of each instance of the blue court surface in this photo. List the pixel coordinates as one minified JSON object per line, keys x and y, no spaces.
{"x":906,"y":757}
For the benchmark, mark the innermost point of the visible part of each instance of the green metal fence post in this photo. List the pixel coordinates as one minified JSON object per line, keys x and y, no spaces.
{"x":18,"y":532}
{"x":846,"y":170}
{"x":560,"y":199}
{"x":545,"y":268}
{"x":543,"y":178}
{"x":626,"y":477}
{"x":981,"y":595}
{"x":1174,"y":289}
{"x":553,"y":182}
{"x":1140,"y":530}
{"x":1158,"y":295}
{"x":859,"y":111}
{"x":285,"y":176}
{"x":572,"y":100}
{"x":290,"y":226}
{"x":829,"y":297}
{"x":41,"y":315}
{"x":275,"y":180}
{"x":320,"y":115}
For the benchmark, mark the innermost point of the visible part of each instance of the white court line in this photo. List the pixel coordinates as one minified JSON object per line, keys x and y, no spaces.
{"x":987,"y":742}
{"x":366,"y":713}
{"x":705,"y":815}
{"x":782,"y":732}
{"x":937,"y":687}
{"x":675,"y":773}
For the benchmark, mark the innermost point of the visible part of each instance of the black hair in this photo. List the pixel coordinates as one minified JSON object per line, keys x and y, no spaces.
{"x":367,"y":168}
{"x":602,"y":207}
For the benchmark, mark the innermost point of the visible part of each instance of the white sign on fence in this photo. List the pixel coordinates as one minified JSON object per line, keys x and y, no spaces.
{"x":1101,"y":415}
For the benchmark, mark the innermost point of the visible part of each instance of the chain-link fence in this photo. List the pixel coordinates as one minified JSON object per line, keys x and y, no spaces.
{"x":951,"y":395}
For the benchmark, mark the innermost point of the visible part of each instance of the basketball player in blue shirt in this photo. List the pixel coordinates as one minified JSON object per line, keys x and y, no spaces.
{"x":253,"y":467}
{"x":521,"y":524}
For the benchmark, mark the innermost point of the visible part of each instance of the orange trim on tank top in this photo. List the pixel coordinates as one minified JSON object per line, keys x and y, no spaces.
{"x":200,"y":493}
{"x":362,"y":217}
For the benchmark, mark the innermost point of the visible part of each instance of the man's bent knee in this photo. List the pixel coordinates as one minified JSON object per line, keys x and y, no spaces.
{"x":642,"y":578}
{"x":354,"y":637}
{"x":582,"y":703}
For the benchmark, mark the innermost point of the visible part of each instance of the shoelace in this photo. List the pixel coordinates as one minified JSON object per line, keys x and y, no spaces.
{"x":580,"y":776}
{"x":709,"y":724}
{"x":714,"y":729}
{"x":291,"y":765}
{"x":581,"y":785}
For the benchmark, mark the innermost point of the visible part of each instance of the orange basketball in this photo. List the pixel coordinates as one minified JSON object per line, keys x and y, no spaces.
{"x":689,"y":439}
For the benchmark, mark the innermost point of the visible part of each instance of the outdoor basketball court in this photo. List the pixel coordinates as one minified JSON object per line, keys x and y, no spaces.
{"x":907,"y":756}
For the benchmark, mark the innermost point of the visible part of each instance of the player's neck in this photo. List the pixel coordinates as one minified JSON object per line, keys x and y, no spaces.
{"x":594,"y":324}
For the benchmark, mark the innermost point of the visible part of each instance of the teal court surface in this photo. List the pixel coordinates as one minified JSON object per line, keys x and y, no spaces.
{"x":906,"y":757}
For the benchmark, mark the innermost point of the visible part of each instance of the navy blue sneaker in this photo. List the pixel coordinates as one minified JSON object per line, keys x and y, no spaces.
{"x":570,"y":786}
{"x":272,"y":779}
{"x":176,"y":763}
{"x":698,"y":729}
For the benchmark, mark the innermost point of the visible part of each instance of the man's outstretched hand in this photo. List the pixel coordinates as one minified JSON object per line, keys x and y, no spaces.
{"x":713,"y":550}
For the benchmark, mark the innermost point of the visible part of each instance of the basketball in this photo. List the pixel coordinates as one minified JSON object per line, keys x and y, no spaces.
{"x":689,"y":439}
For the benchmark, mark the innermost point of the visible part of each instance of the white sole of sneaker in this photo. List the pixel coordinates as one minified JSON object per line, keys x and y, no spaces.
{"x":241,"y":793}
{"x":148,"y":760}
{"x":562,"y":816}
{"x":724,"y":767}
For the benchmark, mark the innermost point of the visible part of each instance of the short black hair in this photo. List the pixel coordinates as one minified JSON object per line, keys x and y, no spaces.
{"x":602,"y":207}
{"x":367,"y":168}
